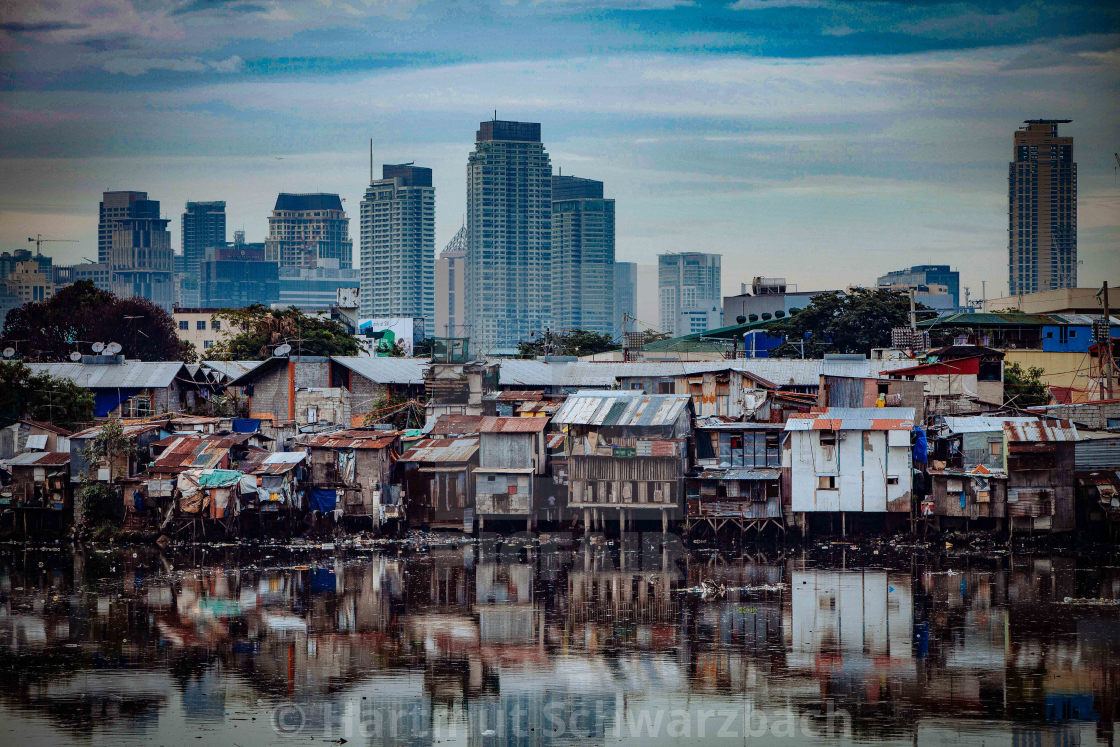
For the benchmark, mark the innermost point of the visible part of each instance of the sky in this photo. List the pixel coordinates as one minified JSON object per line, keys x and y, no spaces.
{"x":826,"y":141}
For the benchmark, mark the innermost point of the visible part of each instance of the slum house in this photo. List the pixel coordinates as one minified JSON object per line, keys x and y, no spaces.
{"x":627,"y":455}
{"x":439,"y":487}
{"x":211,"y":500}
{"x":286,"y":393}
{"x":736,"y":482}
{"x":32,"y":435}
{"x":131,"y":389}
{"x":280,"y":478}
{"x":1040,"y":475}
{"x":1097,"y":470}
{"x":967,"y":473}
{"x":505,"y":404}
{"x":958,"y":380}
{"x":869,"y":391}
{"x":172,"y":456}
{"x":38,"y":494}
{"x":372,"y":382}
{"x":351,"y":474}
{"x":458,"y":388}
{"x":512,"y":463}
{"x":730,"y":392}
{"x":140,"y":436}
{"x":850,"y":460}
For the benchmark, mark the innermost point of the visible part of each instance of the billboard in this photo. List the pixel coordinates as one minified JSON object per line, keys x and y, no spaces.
{"x":380,"y":335}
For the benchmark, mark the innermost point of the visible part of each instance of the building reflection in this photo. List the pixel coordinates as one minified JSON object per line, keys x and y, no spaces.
{"x":525,"y":644}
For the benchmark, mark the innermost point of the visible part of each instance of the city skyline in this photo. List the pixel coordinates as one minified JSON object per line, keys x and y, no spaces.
{"x":722,"y":127}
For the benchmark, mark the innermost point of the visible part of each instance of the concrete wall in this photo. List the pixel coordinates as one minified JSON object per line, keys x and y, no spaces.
{"x":870,"y":471}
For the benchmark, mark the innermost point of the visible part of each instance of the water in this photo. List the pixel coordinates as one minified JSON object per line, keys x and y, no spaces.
{"x":571,"y":644}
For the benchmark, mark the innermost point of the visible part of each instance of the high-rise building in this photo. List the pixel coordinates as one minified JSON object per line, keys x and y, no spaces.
{"x":625,"y":296}
{"x":309,"y":230}
{"x":204,"y":226}
{"x":582,"y":256}
{"x":398,"y":230}
{"x":451,"y":283}
{"x":237,"y":276}
{"x":509,"y":235}
{"x":141,"y":262}
{"x":925,"y":276}
{"x":1042,"y":209}
{"x":314,"y":288}
{"x":115,"y":205}
{"x":688,"y":292}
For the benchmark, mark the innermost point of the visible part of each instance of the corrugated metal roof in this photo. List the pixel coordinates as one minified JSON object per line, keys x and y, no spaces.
{"x":1040,"y":431}
{"x":554,"y":440}
{"x":621,"y":408}
{"x":531,"y":395}
{"x":386,"y":370}
{"x":779,"y":371}
{"x":512,"y":425}
{"x":127,"y":375}
{"x":188,"y":452}
{"x":442,"y":450}
{"x":353,"y":439}
{"x":854,"y":419}
{"x":538,"y":407}
{"x":456,"y":425}
{"x":763,"y":473}
{"x":130,"y":430}
{"x":981,"y":423}
{"x":39,"y":459}
{"x":231,"y":369}
{"x":279,"y":462}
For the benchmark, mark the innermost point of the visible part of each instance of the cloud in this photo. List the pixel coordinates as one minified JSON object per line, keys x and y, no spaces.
{"x":140,"y":65}
{"x":772,"y":4}
{"x":19,"y":27}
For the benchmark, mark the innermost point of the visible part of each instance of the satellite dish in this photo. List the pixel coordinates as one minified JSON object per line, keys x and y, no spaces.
{"x":98,"y":347}
{"x":282,"y":350}
{"x":113,"y":348}
{"x":75,"y":356}
{"x":9,"y":352}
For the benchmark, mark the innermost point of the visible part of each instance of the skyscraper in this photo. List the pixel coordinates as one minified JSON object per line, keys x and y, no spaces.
{"x":688,"y":290}
{"x":625,"y":296}
{"x":309,"y":230}
{"x":509,"y":235}
{"x":925,"y":275}
{"x":114,"y":205}
{"x":140,"y":257}
{"x":397,"y":259}
{"x":204,"y":226}
{"x":582,"y":255}
{"x":451,"y":288}
{"x":1042,"y":209}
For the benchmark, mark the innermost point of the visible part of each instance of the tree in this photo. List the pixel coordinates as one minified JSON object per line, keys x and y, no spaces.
{"x":836,"y":322}
{"x":422,"y":349}
{"x":108,"y":445}
{"x":1024,"y":388}
{"x":574,"y":342}
{"x":42,"y":397}
{"x":262,"y":329}
{"x":82,"y":314}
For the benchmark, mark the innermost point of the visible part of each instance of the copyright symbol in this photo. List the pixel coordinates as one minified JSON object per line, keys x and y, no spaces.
{"x":288,"y":718}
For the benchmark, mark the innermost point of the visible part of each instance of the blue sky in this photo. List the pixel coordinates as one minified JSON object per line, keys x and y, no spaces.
{"x":823,"y":140}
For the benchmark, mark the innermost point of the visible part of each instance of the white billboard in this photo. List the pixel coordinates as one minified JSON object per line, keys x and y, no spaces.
{"x":380,"y":335}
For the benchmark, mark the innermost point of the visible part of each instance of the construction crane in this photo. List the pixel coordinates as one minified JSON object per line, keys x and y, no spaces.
{"x":39,"y":241}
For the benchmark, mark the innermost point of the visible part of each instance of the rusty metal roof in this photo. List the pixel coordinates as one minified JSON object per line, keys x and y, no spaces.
{"x":1040,"y":431}
{"x":280,"y":462}
{"x":191,"y":452}
{"x":854,"y":419}
{"x":353,"y":439}
{"x":621,"y":408}
{"x":532,"y":395}
{"x":130,"y":430}
{"x":442,"y":450}
{"x":554,"y":440}
{"x":512,"y":425}
{"x":39,"y":459}
{"x":530,"y":408}
{"x":457,"y":425}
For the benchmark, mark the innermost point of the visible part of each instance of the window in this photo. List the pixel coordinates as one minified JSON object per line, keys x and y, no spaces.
{"x":200,"y":324}
{"x":184,"y":325}
{"x":217,"y":324}
{"x":826,"y":482}
{"x":828,"y":438}
{"x":892,"y":480}
{"x":207,"y":344}
{"x":995,"y":448}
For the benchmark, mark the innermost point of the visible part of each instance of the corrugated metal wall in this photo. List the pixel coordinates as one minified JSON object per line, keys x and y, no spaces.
{"x":1097,"y":453}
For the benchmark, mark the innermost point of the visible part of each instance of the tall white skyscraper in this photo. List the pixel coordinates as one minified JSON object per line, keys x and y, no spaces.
{"x":688,"y":287}
{"x":397,"y":259}
{"x":509,"y":236}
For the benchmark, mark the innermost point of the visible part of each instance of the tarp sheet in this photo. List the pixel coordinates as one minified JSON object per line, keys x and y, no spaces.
{"x":107,"y":400}
{"x":921,"y":446}
{"x":246,"y":425}
{"x":323,"y":499}
{"x":218,"y":478}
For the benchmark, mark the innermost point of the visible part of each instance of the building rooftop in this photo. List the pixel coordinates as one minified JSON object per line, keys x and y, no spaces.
{"x":311,"y":201}
{"x":854,"y":419}
{"x":621,"y":408}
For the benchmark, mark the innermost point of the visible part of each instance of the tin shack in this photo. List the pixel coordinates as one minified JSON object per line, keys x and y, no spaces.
{"x":512,"y":461}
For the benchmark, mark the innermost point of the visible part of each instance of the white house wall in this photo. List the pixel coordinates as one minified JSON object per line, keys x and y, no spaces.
{"x":861,"y":462}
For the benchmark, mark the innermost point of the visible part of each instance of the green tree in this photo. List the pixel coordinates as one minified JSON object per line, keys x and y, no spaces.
{"x":836,"y":322}
{"x":261,"y":330}
{"x":108,"y":446}
{"x":42,"y":397}
{"x":82,"y":314}
{"x":1024,"y":388}
{"x":575,"y":342}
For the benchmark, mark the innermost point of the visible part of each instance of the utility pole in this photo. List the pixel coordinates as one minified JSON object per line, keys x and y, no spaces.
{"x":913,"y":314}
{"x":1107,"y":363}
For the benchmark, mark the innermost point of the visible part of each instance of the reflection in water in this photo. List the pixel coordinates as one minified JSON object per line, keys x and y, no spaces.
{"x":491,"y":644}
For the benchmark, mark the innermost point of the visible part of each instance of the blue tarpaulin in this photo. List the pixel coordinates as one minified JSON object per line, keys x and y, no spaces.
{"x":107,"y":400}
{"x":323,"y":499}
{"x":322,"y":580}
{"x":921,"y":446}
{"x":246,"y":425}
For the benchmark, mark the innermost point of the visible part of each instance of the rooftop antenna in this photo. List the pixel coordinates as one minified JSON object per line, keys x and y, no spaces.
{"x":495,"y":115}
{"x":371,"y":160}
